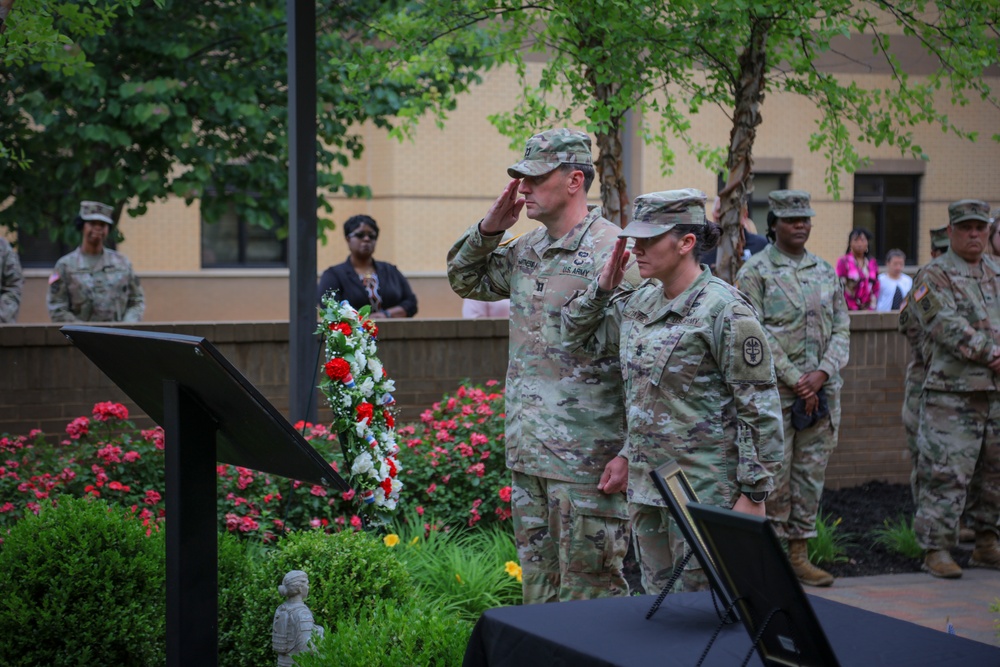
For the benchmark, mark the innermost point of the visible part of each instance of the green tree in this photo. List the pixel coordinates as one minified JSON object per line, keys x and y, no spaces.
{"x":191,"y":100}
{"x":668,"y":60}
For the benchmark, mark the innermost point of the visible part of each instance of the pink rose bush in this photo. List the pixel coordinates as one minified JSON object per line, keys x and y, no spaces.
{"x":106,"y":456}
{"x":454,"y":459}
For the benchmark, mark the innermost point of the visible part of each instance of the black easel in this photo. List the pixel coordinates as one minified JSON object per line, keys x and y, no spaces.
{"x":209,"y":413}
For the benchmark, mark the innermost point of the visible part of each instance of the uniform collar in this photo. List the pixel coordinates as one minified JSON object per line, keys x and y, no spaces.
{"x":572,"y":239}
{"x":779,"y":258}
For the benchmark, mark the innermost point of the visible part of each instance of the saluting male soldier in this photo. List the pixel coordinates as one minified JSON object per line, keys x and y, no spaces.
{"x":11,"y":283}
{"x":699,"y":382}
{"x":913,"y":383}
{"x":565,"y":417}
{"x":957,"y":303}
{"x":802,"y":308}
{"x":94,"y":283}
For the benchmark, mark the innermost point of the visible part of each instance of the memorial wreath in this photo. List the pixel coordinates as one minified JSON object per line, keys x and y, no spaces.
{"x":359,"y":392}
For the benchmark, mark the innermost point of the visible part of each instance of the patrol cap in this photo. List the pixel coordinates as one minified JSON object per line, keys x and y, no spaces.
{"x":968,"y":209}
{"x":658,"y":212}
{"x":939,"y":239}
{"x":790,"y":204}
{"x":994,"y":215}
{"x":546,"y":151}
{"x":95,"y":210}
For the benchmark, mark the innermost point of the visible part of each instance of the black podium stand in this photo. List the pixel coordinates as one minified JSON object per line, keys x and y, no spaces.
{"x":209,"y":413}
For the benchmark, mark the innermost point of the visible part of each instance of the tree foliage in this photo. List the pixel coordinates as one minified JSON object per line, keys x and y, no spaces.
{"x":191,"y":99}
{"x":667,"y":61}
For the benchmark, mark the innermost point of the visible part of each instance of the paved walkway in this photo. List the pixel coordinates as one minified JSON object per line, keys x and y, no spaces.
{"x":926,"y":600}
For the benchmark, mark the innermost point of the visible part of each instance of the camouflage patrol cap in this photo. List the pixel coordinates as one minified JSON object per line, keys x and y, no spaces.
{"x":790,"y":204}
{"x":658,"y":212}
{"x":95,"y":210}
{"x":968,"y":209}
{"x":994,"y":215}
{"x":939,"y":239}
{"x":546,"y":151}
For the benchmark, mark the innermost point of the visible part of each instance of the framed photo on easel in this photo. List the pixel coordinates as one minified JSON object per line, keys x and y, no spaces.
{"x":673,"y":485}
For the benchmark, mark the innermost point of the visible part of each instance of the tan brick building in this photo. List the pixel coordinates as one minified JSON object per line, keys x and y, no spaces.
{"x":427,"y":191}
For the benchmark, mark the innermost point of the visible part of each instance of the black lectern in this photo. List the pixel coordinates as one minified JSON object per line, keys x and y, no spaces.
{"x":209,"y":413}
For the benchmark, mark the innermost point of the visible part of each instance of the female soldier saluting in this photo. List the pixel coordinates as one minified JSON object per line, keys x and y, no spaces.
{"x":698,"y":378}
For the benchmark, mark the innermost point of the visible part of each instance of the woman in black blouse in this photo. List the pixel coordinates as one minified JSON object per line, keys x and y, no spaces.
{"x":364,"y":282}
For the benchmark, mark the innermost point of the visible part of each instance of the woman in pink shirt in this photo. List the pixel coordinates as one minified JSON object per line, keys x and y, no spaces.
{"x":858,"y":272}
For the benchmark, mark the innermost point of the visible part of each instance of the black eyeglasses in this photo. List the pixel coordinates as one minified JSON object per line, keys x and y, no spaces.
{"x":367,"y":236}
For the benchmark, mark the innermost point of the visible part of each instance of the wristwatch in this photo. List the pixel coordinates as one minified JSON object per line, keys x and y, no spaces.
{"x":756,"y":496}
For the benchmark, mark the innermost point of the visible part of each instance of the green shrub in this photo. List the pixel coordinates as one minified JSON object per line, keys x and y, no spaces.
{"x":389,"y":635}
{"x":348,"y":573}
{"x":82,"y":585}
{"x":454,"y":460}
{"x":830,"y":544}
{"x":237,"y":558}
{"x":899,"y":536}
{"x":463,"y":572}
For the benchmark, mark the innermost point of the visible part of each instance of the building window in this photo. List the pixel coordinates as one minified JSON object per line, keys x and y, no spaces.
{"x":763,"y":184}
{"x":887,"y":206}
{"x":230,"y":241}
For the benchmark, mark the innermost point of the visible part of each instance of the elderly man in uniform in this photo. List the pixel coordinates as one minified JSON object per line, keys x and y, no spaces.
{"x":956,"y":301}
{"x":11,"y":283}
{"x":805,"y":317}
{"x":94,"y":283}
{"x":565,"y":417}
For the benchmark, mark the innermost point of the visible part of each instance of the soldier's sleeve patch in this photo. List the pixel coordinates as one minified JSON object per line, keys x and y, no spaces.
{"x":926,"y":302}
{"x":54,"y":277}
{"x":751,"y":357}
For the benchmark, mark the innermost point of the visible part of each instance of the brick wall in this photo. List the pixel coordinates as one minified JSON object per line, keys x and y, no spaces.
{"x":45,"y":382}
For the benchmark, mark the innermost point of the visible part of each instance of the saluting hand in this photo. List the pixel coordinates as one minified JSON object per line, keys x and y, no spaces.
{"x":614,"y":271}
{"x":504,"y":212}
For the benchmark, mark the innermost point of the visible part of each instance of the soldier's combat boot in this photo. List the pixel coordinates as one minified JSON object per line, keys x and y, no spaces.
{"x":987,"y":551}
{"x":940,"y":563}
{"x":966,"y":534}
{"x":807,"y":573}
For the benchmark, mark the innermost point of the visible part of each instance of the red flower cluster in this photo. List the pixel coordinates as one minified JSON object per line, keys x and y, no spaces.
{"x":365,"y":411}
{"x":342,"y":327}
{"x":108,"y":410}
{"x":337,"y":369}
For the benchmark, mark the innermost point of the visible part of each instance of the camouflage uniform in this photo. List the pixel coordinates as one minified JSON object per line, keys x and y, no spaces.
{"x":106,"y":291}
{"x":958,"y":308}
{"x":565,"y":418}
{"x":808,"y":328}
{"x":699,"y":388}
{"x":11,"y":283}
{"x":909,"y":326}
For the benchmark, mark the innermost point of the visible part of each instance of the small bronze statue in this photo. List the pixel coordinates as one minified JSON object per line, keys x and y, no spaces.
{"x":293,"y":630}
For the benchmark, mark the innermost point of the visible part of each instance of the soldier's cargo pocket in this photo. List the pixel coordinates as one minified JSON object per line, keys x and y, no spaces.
{"x":598,"y":531}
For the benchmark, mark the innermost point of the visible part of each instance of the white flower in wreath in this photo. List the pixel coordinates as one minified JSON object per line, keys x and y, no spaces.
{"x":346,"y":400}
{"x":359,"y":363}
{"x":388,"y":386}
{"x":390,"y":504}
{"x":367,"y":387}
{"x":362,"y":464}
{"x":375,"y":366}
{"x":361,"y":427}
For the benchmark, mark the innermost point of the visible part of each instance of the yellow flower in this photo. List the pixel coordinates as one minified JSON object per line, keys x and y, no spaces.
{"x":414,"y":540}
{"x":513,"y":569}
{"x":459,"y":579}
{"x":391,"y":540}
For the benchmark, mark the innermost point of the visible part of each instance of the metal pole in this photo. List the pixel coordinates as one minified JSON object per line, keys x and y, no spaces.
{"x":302,"y":208}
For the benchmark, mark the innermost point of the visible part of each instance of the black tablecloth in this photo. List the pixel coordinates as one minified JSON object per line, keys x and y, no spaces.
{"x":614,"y":631}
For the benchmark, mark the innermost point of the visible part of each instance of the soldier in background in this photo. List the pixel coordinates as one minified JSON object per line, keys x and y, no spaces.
{"x":565,"y":417}
{"x":801,"y":305}
{"x":11,"y":283}
{"x":913,"y":383}
{"x":957,"y":303}
{"x":94,"y":283}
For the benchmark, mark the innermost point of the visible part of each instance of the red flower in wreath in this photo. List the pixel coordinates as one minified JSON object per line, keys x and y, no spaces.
{"x":342,"y":327}
{"x":370,"y":327}
{"x":386,"y":486}
{"x":337,"y":369}
{"x":390,"y":421}
{"x":365,"y":411}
